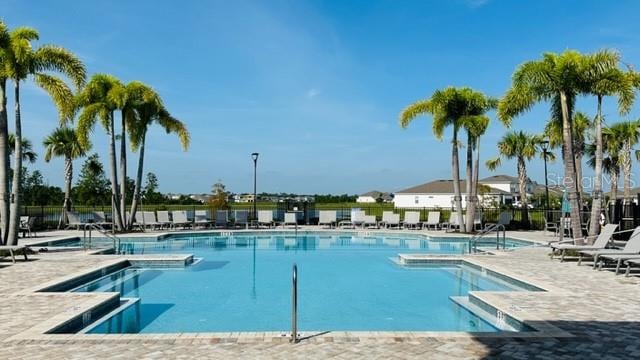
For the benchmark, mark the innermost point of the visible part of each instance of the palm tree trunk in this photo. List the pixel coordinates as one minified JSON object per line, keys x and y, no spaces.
{"x":596,"y":205}
{"x":123,"y":173}
{"x":626,"y":171}
{"x":14,"y":209}
{"x":68,"y":178}
{"x":578,"y":161}
{"x":455,"y":168}
{"x":136,"y":194}
{"x":522,"y":187}
{"x":4,"y":163}
{"x":114,"y":177}
{"x":469,"y":185}
{"x":614,"y":190}
{"x":570,"y":167}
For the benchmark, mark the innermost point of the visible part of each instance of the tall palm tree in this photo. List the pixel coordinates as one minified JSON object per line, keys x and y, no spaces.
{"x":28,"y":154}
{"x":4,"y":136}
{"x":149,"y":109}
{"x":581,"y":126}
{"x":21,"y":61}
{"x":97,"y":104}
{"x":610,"y":162}
{"x":523,"y":147}
{"x":558,"y":79}
{"x":63,"y":142}
{"x":475,"y":127}
{"x":626,"y":135}
{"x":605,"y":78}
{"x":453,"y":107}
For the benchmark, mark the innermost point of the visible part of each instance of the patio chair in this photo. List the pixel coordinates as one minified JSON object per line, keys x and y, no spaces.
{"x":386,"y":217}
{"x":327,"y":217}
{"x":433,"y":220}
{"x":453,"y":221}
{"x":99,"y":218}
{"x":12,"y":249}
{"x":357,"y":217}
{"x":265,"y":217}
{"x":632,"y":247}
{"x":201,"y":218}
{"x":370,"y":222}
{"x":150,"y":220}
{"x":577,"y":244}
{"x":179,"y":218}
{"x":139,"y":220}
{"x":27,"y":225}
{"x":551,"y":227}
{"x":630,"y":263}
{"x":74,"y":220}
{"x":241,"y":218}
{"x":477,"y":221}
{"x":222,"y":219}
{"x":163,"y":219}
{"x":412,"y":220}
{"x":290,"y":218}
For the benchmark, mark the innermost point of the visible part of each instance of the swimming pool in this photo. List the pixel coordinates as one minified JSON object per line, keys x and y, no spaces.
{"x":346,"y":282}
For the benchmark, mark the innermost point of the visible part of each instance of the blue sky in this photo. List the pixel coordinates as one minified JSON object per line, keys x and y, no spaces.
{"x":314,"y":86}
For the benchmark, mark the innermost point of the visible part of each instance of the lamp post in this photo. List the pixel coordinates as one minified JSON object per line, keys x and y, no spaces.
{"x":254,"y":156}
{"x":545,"y":147}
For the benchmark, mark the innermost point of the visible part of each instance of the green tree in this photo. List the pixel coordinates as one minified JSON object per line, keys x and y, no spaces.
{"x":37,"y":192}
{"x":150,"y":191}
{"x":610,"y":162}
{"x":63,"y":142}
{"x":97,"y":103}
{"x":558,"y":79}
{"x":475,"y":128}
{"x":453,"y":107}
{"x":219,"y":198}
{"x":92,"y":187}
{"x":20,"y":61}
{"x":605,"y":78}
{"x":148,"y":110}
{"x":522,"y":147}
{"x":5,"y":143}
{"x":625,"y":135}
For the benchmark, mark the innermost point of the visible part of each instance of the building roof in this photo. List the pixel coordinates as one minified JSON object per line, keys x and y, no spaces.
{"x":378,"y":194}
{"x":500,"y":179}
{"x":553,"y":190}
{"x":442,"y":187}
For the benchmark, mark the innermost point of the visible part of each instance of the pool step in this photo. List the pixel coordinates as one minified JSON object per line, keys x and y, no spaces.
{"x":495,"y":319}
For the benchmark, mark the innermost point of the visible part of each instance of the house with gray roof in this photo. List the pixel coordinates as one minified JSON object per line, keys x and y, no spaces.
{"x":373,"y":196}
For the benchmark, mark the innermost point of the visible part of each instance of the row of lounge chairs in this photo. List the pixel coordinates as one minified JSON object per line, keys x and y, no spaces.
{"x":411,"y":220}
{"x":601,"y":250}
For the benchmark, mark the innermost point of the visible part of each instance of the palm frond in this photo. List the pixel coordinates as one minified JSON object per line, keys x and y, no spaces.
{"x":58,"y":59}
{"x":60,"y":93}
{"x":414,"y":110}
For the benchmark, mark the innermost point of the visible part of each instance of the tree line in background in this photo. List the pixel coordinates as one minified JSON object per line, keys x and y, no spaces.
{"x":62,"y":75}
{"x":558,"y":80}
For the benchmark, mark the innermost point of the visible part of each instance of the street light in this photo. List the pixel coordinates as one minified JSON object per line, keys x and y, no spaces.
{"x":254,"y":156}
{"x":545,"y":146}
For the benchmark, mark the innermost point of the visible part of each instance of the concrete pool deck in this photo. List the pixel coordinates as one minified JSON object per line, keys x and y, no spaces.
{"x":598,"y":314}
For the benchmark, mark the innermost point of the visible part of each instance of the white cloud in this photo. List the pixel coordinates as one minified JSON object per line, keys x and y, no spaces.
{"x":313,"y":92}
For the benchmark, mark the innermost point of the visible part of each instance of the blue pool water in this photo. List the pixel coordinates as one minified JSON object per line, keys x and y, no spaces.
{"x":243,"y":283}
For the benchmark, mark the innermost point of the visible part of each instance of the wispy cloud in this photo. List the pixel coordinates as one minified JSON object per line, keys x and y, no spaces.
{"x":313,"y":92}
{"x":474,"y":4}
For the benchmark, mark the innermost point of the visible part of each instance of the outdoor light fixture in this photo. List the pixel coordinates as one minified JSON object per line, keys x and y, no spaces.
{"x":254,"y":156}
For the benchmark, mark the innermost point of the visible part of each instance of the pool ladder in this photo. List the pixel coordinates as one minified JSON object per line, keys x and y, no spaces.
{"x":87,"y":241}
{"x":294,"y":305}
{"x":498,"y":229}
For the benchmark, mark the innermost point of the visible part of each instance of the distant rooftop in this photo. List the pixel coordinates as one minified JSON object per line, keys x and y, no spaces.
{"x":442,"y":187}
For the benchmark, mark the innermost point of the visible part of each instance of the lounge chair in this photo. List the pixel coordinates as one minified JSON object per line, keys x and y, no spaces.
{"x":453,"y":221}
{"x":370,"y":222}
{"x":150,"y":220}
{"x":551,"y":227}
{"x":577,"y":244}
{"x":99,"y":218}
{"x":412,"y":220}
{"x":290,"y":218}
{"x":27,"y":225}
{"x":477,"y":221}
{"x":74,"y":220}
{"x":386,"y":216}
{"x":201,"y":218}
{"x":631,"y":262}
{"x":357,"y":217}
{"x":222,"y":219}
{"x":632,"y":247}
{"x":327,"y":217}
{"x":179,"y":218}
{"x":265,"y":217}
{"x":163,"y":219}
{"x":12,"y":249}
{"x":241,"y":219}
{"x":433,"y":220}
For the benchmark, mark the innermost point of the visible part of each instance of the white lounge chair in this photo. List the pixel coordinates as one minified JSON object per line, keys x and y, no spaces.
{"x":370,"y":222}
{"x":290,"y":218}
{"x":163,"y":219}
{"x":74,"y":220}
{"x":150,"y":220}
{"x":577,"y":244}
{"x":433,"y":220}
{"x":357,"y":217}
{"x":327,"y":217}
{"x":241,"y":219}
{"x":201,"y":218}
{"x":412,"y":220}
{"x":12,"y":249}
{"x":453,"y":221}
{"x":222,"y":219}
{"x":99,"y":218}
{"x":630,"y":263}
{"x":477,"y":221}
{"x":179,"y":218}
{"x":27,"y":225}
{"x":265,"y":217}
{"x":632,"y":247}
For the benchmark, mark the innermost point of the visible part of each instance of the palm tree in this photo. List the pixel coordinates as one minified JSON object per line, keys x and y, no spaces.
{"x":4,"y":137}
{"x":475,"y":127}
{"x":63,"y":142}
{"x":28,"y":154}
{"x":558,"y":79}
{"x":21,"y":61}
{"x":523,"y":147}
{"x":96,"y":101}
{"x":626,"y":135}
{"x":605,"y":78}
{"x":149,"y":109}
{"x":580,"y":127}
{"x":609,"y":162}
{"x":453,"y":107}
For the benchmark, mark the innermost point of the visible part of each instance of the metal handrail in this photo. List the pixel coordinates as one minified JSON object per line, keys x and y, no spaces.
{"x":93,"y":226}
{"x":294,"y":305}
{"x":498,"y":228}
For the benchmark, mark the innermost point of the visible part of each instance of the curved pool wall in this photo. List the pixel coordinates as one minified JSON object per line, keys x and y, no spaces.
{"x":347,"y":282}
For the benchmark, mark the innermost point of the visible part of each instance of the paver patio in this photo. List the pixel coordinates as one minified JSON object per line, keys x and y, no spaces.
{"x":600,"y":310}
